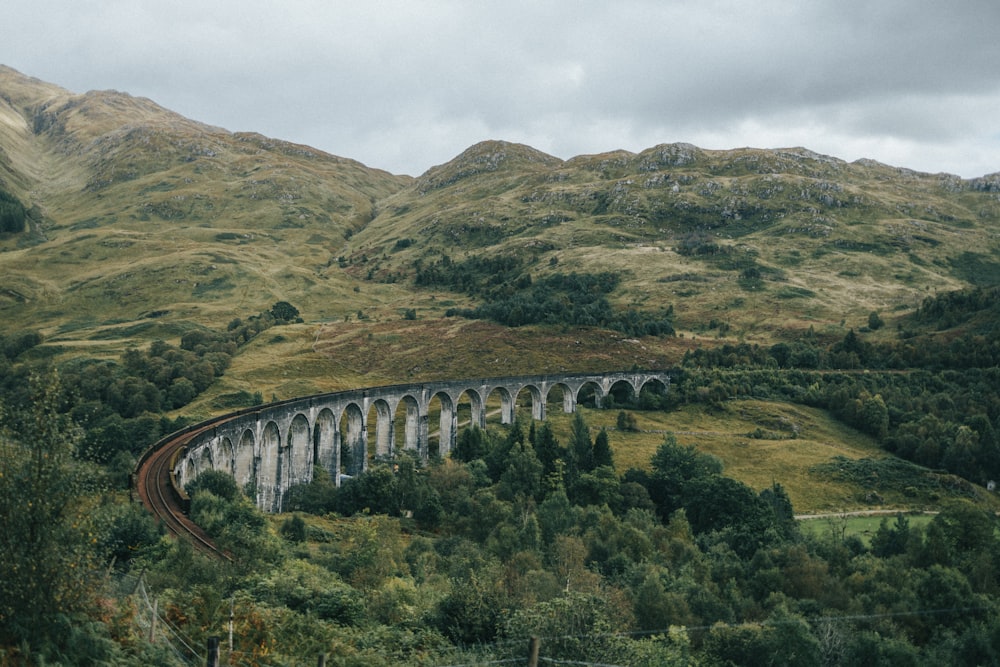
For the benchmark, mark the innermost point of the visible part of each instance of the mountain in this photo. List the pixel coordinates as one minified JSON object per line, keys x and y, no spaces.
{"x":138,"y":209}
{"x":143,"y":224}
{"x":770,"y":241}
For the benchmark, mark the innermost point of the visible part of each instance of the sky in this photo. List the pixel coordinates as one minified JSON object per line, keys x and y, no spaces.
{"x":404,"y":85}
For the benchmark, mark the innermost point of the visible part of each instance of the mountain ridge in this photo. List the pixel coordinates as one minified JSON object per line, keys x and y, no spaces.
{"x":138,"y":210}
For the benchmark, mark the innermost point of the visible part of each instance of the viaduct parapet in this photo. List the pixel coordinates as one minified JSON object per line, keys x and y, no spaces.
{"x":273,"y":447}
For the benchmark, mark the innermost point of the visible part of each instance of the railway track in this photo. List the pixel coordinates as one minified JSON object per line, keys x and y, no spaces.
{"x":156,"y":489}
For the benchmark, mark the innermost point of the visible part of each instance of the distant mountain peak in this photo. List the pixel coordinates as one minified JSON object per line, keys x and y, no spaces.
{"x":486,"y":157}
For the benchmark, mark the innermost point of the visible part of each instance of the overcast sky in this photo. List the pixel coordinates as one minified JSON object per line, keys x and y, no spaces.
{"x":404,"y":85}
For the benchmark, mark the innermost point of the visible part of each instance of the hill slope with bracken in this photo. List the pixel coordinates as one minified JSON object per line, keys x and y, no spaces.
{"x":148,"y":258}
{"x":769,"y":241}
{"x":144,"y":223}
{"x":137,"y":210}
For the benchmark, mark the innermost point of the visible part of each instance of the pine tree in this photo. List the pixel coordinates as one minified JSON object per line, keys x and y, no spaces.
{"x":581,"y":445}
{"x":602,"y":451}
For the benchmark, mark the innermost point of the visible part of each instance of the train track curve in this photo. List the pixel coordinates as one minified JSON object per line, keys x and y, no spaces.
{"x":157,"y":489}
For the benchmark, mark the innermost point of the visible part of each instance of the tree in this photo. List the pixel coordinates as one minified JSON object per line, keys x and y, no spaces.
{"x":602,"y":451}
{"x":547,"y":449}
{"x":784,"y":639}
{"x":12,"y":214}
{"x":626,"y":421}
{"x":580,"y":452}
{"x":784,"y":515}
{"x":181,"y":392}
{"x":283,"y":311}
{"x":674,"y":466}
{"x":598,"y":487}
{"x":216,"y":482}
{"x":715,"y":502}
{"x":891,"y":540}
{"x":583,"y":627}
{"x":473,"y":609}
{"x":48,"y":562}
{"x":523,"y":476}
{"x":874,"y":415}
{"x":126,"y":531}
{"x":293,"y":529}
{"x":472,"y":444}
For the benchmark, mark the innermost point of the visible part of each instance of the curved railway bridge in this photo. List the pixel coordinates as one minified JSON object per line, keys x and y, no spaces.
{"x":270,"y":448}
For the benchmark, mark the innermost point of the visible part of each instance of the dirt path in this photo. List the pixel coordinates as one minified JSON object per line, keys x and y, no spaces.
{"x":868,"y":512}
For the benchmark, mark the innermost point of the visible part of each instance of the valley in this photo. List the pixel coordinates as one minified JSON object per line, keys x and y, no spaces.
{"x":833,"y":329}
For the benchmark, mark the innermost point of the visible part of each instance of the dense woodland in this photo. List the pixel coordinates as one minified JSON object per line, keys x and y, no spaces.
{"x":511,"y":296}
{"x":13,"y":216}
{"x":516,"y":534}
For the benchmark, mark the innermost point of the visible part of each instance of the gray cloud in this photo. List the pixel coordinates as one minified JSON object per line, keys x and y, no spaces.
{"x":404,"y":86}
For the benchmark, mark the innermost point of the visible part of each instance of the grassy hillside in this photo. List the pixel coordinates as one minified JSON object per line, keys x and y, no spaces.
{"x":770,"y":242}
{"x":144,"y":225}
{"x":141,"y":211}
{"x":146,"y":214}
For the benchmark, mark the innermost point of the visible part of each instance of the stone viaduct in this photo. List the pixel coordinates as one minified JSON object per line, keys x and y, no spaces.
{"x":272,"y":447}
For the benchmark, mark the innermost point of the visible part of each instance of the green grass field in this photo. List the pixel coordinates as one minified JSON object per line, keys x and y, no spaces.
{"x":863,"y":527}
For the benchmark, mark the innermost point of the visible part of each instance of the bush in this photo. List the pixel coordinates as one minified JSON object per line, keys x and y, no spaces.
{"x":12,"y":214}
{"x":284,"y":312}
{"x":293,"y":529}
{"x":218,"y":483}
{"x":626,"y":422}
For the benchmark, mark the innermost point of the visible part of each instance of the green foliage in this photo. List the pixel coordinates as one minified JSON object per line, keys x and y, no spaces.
{"x":580,"y":451}
{"x":891,"y":540}
{"x":215,"y":482}
{"x":578,"y":626}
{"x":472,"y":443}
{"x":523,"y":476}
{"x":116,"y":402}
{"x":49,"y":571}
{"x":15,"y":345}
{"x":550,"y":453}
{"x":950,"y":309}
{"x":596,"y":575}
{"x":13,"y":216}
{"x":885,"y":474}
{"x":397,"y":489}
{"x":236,"y":525}
{"x":472,"y":611}
{"x":601,"y":453}
{"x":935,"y":404}
{"x":514,"y":297}
{"x":282,"y":311}
{"x":126,"y":532}
{"x":308,"y":588}
{"x":674,"y":466}
{"x":317,"y":497}
{"x":626,"y":422}
{"x":785,"y":639}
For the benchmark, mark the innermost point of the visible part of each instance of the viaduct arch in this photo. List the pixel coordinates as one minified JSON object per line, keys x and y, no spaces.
{"x":273,"y":447}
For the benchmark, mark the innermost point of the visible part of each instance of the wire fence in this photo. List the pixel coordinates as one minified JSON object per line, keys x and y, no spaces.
{"x":159,"y":629}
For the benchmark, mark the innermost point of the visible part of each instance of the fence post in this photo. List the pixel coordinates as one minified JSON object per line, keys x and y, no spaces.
{"x":152,"y":621}
{"x":232,"y":607}
{"x":321,"y":660}
{"x":213,"y":652}
{"x":533,"y":646}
